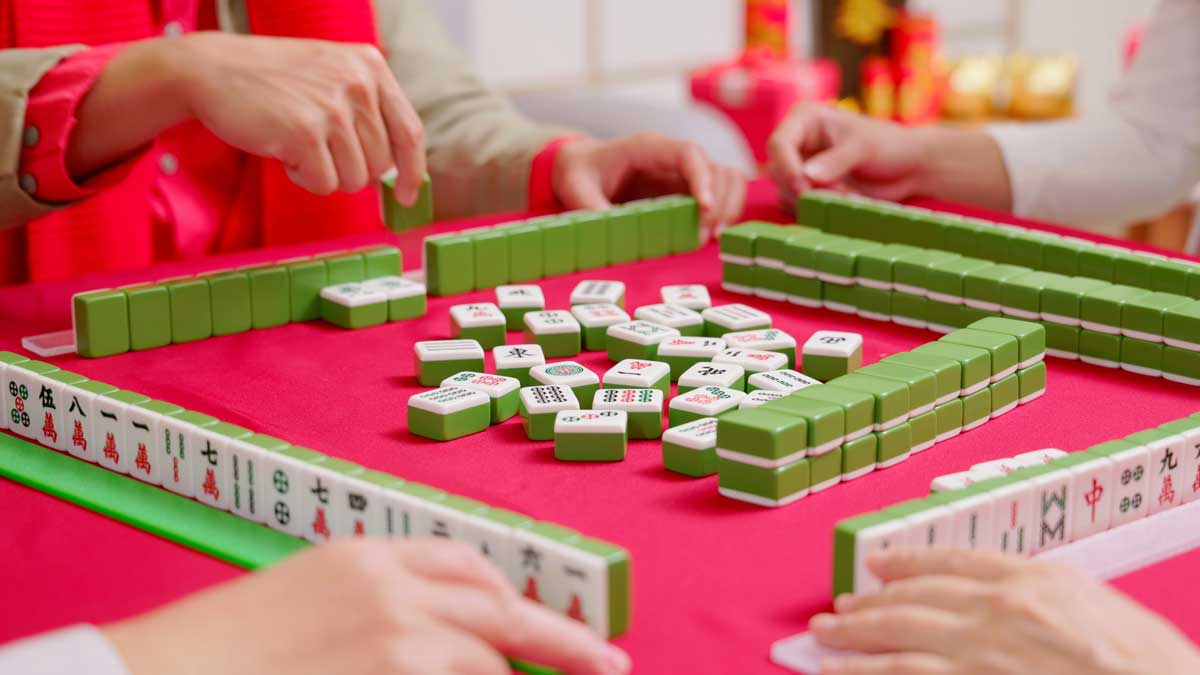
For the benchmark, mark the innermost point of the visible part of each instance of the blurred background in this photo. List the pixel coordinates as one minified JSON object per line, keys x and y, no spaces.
{"x":723,"y":72}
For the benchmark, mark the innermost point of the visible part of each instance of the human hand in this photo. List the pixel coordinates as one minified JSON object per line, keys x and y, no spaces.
{"x":362,"y":607}
{"x":950,"y":612}
{"x":331,"y":112}
{"x":821,"y":146}
{"x":591,"y":174}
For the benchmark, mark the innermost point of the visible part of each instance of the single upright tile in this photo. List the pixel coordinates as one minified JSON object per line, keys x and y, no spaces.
{"x":306,"y":278}
{"x":450,"y":264}
{"x":191,"y":310}
{"x":101,"y":322}
{"x":270,"y":295}
{"x":230,"y":296}
{"x":149,"y":316}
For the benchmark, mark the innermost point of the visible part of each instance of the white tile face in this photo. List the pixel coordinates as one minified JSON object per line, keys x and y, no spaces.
{"x":1038,"y":457}
{"x":753,"y":360}
{"x":48,"y":408}
{"x":78,"y":413}
{"x":759,"y":397}
{"x":769,"y":339}
{"x":494,"y":386}
{"x":736,"y":317}
{"x":360,"y":510}
{"x":1013,"y":518}
{"x":691,"y":347}
{"x":833,"y":343}
{"x":566,"y":373}
{"x":518,"y":356}
{"x":20,"y":399}
{"x":931,"y":528}
{"x":247,"y":480}
{"x":1167,"y":478}
{"x":708,"y":401}
{"x":210,"y":469}
{"x":673,"y":316}
{"x":476,"y":315}
{"x":400,"y":510}
{"x":638,"y":373}
{"x":552,"y":322}
{"x":952,"y":481}
{"x":591,"y":292}
{"x":175,"y":451}
{"x":520,"y":296}
{"x":595,"y":315}
{"x":447,"y":400}
{"x":352,"y":295}
{"x":1003,"y":465}
{"x":784,"y":381}
{"x":394,"y":288}
{"x":1050,"y":497}
{"x":495,"y":540}
{"x":1091,"y":497}
{"x":692,"y":296}
{"x":1190,"y":485}
{"x":698,"y":434}
{"x":448,"y":350}
{"x":315,"y":500}
{"x":641,"y":332}
{"x":706,"y":374}
{"x":886,"y":536}
{"x":972,"y":523}
{"x":1131,"y":485}
{"x":591,"y":422}
{"x":629,"y":400}
{"x":548,"y":399}
{"x":285,"y":480}
{"x":109,"y":426}
{"x":580,"y":586}
{"x":534,"y":579}
{"x":141,"y":433}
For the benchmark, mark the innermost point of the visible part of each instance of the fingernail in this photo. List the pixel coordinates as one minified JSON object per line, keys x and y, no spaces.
{"x":845,"y":602}
{"x":817,"y":171}
{"x":617,"y":660}
{"x":822,"y":622}
{"x":705,"y":198}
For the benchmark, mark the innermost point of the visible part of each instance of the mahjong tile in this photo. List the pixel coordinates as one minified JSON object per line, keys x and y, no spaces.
{"x":211,"y":467}
{"x":765,"y":339}
{"x":547,"y":399}
{"x":580,"y":590}
{"x":247,"y":480}
{"x":551,"y":322}
{"x":641,"y":332}
{"x":79,"y":414}
{"x":759,"y":397}
{"x":593,"y":315}
{"x":952,"y":481}
{"x":114,"y":453}
{"x":673,"y":316}
{"x":736,"y":317}
{"x":516,"y":357}
{"x":753,"y":360}
{"x":930,"y":528}
{"x":495,"y":386}
{"x":692,"y":296}
{"x":691,"y":347}
{"x":973,"y":518}
{"x":143,"y":430}
{"x":706,"y":373}
{"x":1004,"y":465}
{"x":1013,"y":519}
{"x":1050,"y":497}
{"x":353,"y":295}
{"x":784,"y":381}
{"x":588,"y":292}
{"x":886,"y":536}
{"x":520,"y":296}
{"x":698,"y":434}
{"x":447,"y":350}
{"x":565,"y":373}
{"x":608,"y":422}
{"x":476,"y":315}
{"x":1168,"y":481}
{"x":708,"y":401}
{"x":448,"y":399}
{"x":394,"y":288}
{"x":637,"y":374}
{"x":1091,"y":508}
{"x":21,"y":399}
{"x":361,"y":512}
{"x":1038,"y":457}
{"x":629,"y":400}
{"x":833,"y":344}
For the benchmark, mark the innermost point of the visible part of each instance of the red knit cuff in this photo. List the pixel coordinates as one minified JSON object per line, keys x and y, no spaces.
{"x":50,"y":119}
{"x":541,"y":178}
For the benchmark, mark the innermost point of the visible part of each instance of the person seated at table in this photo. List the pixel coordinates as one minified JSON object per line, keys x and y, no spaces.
{"x":1136,"y":158}
{"x":352,"y":607}
{"x":266,"y":122}
{"x":974,"y":613}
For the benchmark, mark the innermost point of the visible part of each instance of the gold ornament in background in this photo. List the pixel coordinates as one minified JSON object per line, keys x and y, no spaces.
{"x":864,"y":21}
{"x":1042,"y":87}
{"x":849,"y":104}
{"x":972,"y":87}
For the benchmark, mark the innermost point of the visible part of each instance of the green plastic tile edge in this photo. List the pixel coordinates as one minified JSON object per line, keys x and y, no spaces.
{"x":165,"y":514}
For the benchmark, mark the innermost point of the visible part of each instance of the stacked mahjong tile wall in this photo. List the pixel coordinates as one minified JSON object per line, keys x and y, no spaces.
{"x":1052,"y":499}
{"x":879,"y":415}
{"x":224,"y":302}
{"x":301,"y":492}
{"x":528,"y":250}
{"x":1106,"y":322}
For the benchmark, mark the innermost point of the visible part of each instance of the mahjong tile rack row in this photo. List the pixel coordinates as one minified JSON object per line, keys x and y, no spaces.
{"x":167,"y":470}
{"x":1127,"y":523}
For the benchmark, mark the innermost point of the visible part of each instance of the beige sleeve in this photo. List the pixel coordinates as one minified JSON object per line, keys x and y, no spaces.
{"x":20,"y":70}
{"x":480,"y":147}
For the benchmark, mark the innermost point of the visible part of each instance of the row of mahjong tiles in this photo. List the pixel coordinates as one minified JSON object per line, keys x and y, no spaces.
{"x":563,"y":401}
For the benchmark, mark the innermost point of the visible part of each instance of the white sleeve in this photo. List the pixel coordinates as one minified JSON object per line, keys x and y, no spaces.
{"x":76,"y":650}
{"x":1135,"y":159}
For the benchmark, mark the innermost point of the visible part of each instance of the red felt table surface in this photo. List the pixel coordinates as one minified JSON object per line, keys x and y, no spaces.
{"x":715,"y":581}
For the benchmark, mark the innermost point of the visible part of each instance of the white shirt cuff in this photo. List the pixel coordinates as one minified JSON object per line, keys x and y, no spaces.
{"x":75,"y":650}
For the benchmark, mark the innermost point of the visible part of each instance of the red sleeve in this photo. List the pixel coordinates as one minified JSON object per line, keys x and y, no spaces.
{"x":49,"y":120}
{"x":541,"y":178}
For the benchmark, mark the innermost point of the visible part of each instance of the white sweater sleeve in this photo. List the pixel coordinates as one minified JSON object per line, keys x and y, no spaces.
{"x":76,"y":650}
{"x":1135,"y":159}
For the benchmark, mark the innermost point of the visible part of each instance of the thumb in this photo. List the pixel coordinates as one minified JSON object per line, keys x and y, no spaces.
{"x":582,"y":190}
{"x":832,"y":165}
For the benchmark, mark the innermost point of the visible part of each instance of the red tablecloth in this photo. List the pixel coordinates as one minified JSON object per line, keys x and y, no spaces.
{"x":715,"y":581}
